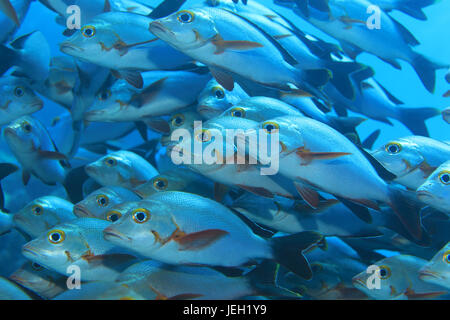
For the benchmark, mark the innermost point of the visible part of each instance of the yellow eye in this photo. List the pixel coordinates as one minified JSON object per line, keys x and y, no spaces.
{"x":37,"y":267}
{"x":385,"y":272}
{"x":237,"y":112}
{"x":270,"y":126}
{"x":104,"y":95}
{"x":56,"y":236}
{"x":203,"y":136}
{"x":113,"y":216}
{"x":88,"y":31}
{"x":110,"y":162}
{"x":446,"y":256}
{"x":218,"y":92}
{"x":160,"y":183}
{"x":102,"y":200}
{"x":178,"y":120}
{"x":19,"y":92}
{"x":185,"y":16}
{"x":444,"y":177}
{"x":393,"y":148}
{"x":140,"y":215}
{"x":27,"y":126}
{"x":37,"y":210}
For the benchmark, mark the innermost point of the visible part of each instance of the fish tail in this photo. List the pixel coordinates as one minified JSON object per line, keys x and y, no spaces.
{"x":414,"y":118}
{"x":342,"y":76}
{"x":263,"y":281}
{"x":5,"y":170}
{"x":287,"y":251}
{"x":407,"y":209}
{"x":312,"y":81}
{"x":426,"y":70}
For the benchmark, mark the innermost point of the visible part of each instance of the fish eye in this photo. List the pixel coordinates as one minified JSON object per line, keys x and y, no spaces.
{"x":140,"y":215}
{"x":446,"y":256}
{"x":102,"y":200}
{"x":393,"y":147}
{"x":104,"y":95}
{"x":237,"y":112}
{"x":19,"y":92}
{"x":88,"y":31}
{"x":56,"y":236}
{"x":444,"y":177}
{"x":160,"y":183}
{"x":27,"y":127}
{"x":37,"y":210}
{"x":36,"y":266}
{"x":270,"y":126}
{"x":113,"y":216}
{"x":110,"y":162}
{"x":185,"y":16}
{"x":178,"y":120}
{"x":385,"y":272}
{"x":218,"y":92}
{"x":204,"y":136}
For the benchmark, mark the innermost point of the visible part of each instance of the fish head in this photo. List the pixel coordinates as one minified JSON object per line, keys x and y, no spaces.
{"x":182,"y":120}
{"x":185,"y":29}
{"x":114,"y":169}
{"x":147,"y":226}
{"x":118,"y":211}
{"x":99,"y":202}
{"x":437,"y":271}
{"x":435,"y":191}
{"x":169,"y":181}
{"x":213,"y":100}
{"x":24,"y":134}
{"x":399,"y":156}
{"x":17,"y":99}
{"x":38,"y":216}
{"x":57,"y":248}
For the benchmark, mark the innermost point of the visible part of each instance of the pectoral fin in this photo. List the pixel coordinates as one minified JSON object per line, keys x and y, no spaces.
{"x":310,"y":196}
{"x":132,"y":77}
{"x":259,"y":191}
{"x":309,"y":156}
{"x":237,"y":45}
{"x":149,"y":93}
{"x":201,"y":239}
{"x":52,"y":155}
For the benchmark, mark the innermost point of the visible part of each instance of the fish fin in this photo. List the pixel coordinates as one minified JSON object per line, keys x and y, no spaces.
{"x":360,"y":211}
{"x":52,"y":155}
{"x":166,"y":8}
{"x":350,"y":50}
{"x":342,"y":79}
{"x":340,"y":109}
{"x":414,"y":118}
{"x":379,"y":168}
{"x":5,"y":170}
{"x":394,"y":63}
{"x":411,"y":294}
{"x":69,"y":32}
{"x":107,"y":6}
{"x":317,"y":77}
{"x":447,"y":94}
{"x":321,"y":5}
{"x":310,"y":196}
{"x":185,"y":296}
{"x":259,"y":191}
{"x":25,"y":177}
{"x":302,"y":6}
{"x":263,"y":280}
{"x":8,"y":58}
{"x":159,"y":125}
{"x":237,"y":45}
{"x":371,"y":139}
{"x":133,"y":77}
{"x":201,"y":239}
{"x":223,"y":78}
{"x":220,"y":191}
{"x":406,"y":34}
{"x":283,"y":36}
{"x":391,"y":97}
{"x":305,"y":208}
{"x":141,"y":127}
{"x":73,"y":183}
{"x":287,"y":251}
{"x":149,"y":93}
{"x":309,"y":156}
{"x":7,"y":8}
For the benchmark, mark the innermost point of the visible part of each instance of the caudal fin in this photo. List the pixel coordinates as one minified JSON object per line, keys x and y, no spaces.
{"x":287,"y":251}
{"x":5,"y":170}
{"x":426,"y":70}
{"x":414,"y":118}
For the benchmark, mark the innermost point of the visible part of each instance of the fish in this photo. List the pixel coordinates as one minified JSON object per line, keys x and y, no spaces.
{"x":42,"y":214}
{"x":184,"y":119}
{"x":435,"y":190}
{"x":99,"y":202}
{"x":216,"y":38}
{"x":164,"y":92}
{"x":33,"y":147}
{"x":120,"y":41}
{"x":45,"y":283}
{"x":412,"y":159}
{"x":399,"y":279}
{"x":198,"y":240}
{"x":79,"y":243}
{"x":29,"y":53}
{"x":153,"y":280}
{"x":348,"y":24}
{"x":436,"y":271}
{"x":122,"y":168}
{"x":446,"y":115}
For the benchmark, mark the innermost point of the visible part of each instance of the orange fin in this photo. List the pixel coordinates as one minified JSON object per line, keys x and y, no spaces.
{"x":310,"y":196}
{"x":158,"y":125}
{"x":411,"y":294}
{"x":222,"y":45}
{"x":258,"y":191}
{"x":149,"y":93}
{"x":310,"y":156}
{"x":201,"y":239}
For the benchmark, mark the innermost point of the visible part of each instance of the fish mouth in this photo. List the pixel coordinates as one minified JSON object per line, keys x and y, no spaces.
{"x":429,"y":274}
{"x":38,"y":105}
{"x":202,"y":109}
{"x":64,"y":47}
{"x":158,"y":26}
{"x":10,"y":132}
{"x":111,"y":234}
{"x":29,"y":250}
{"x":421,"y":194}
{"x":81,"y":211}
{"x":359,"y":282}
